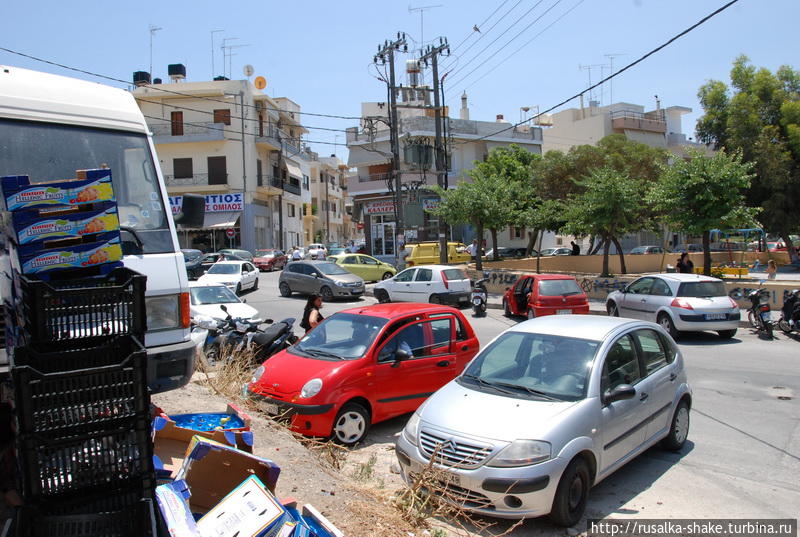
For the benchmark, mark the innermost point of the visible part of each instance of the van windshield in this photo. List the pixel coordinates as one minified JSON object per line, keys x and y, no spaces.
{"x":49,"y":152}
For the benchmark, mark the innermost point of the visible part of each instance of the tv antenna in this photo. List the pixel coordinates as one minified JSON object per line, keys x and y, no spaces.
{"x":422,"y":10}
{"x":611,"y":72}
{"x":153,"y":29}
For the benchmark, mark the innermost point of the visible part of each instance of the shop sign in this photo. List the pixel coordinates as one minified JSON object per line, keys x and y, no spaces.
{"x":430,"y":204}
{"x":379,"y":207}
{"x":215,"y":203}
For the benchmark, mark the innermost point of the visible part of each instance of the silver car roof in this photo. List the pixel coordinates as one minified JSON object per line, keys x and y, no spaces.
{"x":591,"y":327}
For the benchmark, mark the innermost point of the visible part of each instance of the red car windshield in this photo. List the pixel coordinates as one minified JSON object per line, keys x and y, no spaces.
{"x":342,"y":336}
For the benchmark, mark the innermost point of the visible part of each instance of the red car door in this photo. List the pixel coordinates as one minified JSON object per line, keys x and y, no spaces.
{"x":519,"y":295}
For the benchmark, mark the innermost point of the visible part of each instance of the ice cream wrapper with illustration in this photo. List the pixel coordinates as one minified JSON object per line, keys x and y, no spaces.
{"x":92,"y":254}
{"x":31,"y":226}
{"x":19,"y":193}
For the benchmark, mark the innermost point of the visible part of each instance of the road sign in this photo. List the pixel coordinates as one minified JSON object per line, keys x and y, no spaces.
{"x":230,"y":232}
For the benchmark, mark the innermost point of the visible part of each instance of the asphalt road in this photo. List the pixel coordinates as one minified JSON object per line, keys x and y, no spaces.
{"x":742,"y":459}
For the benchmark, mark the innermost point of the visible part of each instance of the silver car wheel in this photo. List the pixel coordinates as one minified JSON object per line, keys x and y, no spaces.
{"x":682,"y":424}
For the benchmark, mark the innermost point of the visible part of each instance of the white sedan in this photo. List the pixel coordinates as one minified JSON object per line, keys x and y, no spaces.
{"x":235,"y":275}
{"x":206,"y":300}
{"x":437,"y":284}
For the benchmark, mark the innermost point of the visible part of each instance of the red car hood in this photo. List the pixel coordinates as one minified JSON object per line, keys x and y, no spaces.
{"x":286,"y":373}
{"x":263,"y":259}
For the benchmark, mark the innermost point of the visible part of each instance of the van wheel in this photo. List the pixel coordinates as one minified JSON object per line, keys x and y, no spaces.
{"x":571,"y":495}
{"x":351,"y":424}
{"x":434,"y":299}
{"x":285,"y":289}
{"x":382,"y":296}
{"x":326,"y":294}
{"x":679,"y":429}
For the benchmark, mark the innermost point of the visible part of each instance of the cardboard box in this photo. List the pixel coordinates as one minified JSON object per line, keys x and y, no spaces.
{"x":249,"y":510}
{"x":94,"y":186}
{"x":38,"y":225}
{"x":232,"y":411}
{"x":173,"y":503}
{"x":311,"y":523}
{"x":212,"y":470}
{"x":92,"y":254}
{"x":171,"y":443}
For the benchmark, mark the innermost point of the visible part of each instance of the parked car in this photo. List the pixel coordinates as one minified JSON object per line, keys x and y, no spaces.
{"x":193,"y":260}
{"x":269,"y":259}
{"x":648,"y":250}
{"x":770,"y":246}
{"x":555,"y":251}
{"x":437,"y":284}
{"x":336,"y":250}
{"x":210,"y":259}
{"x":240,"y":254}
{"x":236,"y":275}
{"x":537,"y":295}
{"x":206,"y":299}
{"x":688,"y":248}
{"x":427,"y":253}
{"x":316,"y":251}
{"x":324,"y":278}
{"x":364,"y":365}
{"x":728,"y":246}
{"x":678,"y":302}
{"x":366,"y":266}
{"x":509,"y":251}
{"x":547,"y":410}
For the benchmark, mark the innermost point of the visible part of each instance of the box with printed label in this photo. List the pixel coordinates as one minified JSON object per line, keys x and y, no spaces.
{"x":37,"y":225}
{"x":106,"y":250}
{"x":93,"y":186}
{"x":173,"y":503}
{"x":249,"y":510}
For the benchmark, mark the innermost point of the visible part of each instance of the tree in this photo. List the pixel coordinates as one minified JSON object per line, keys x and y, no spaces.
{"x":760,"y":117}
{"x":609,"y":206}
{"x":704,"y":193}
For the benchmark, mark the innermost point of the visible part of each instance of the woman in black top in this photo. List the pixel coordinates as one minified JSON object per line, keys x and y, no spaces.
{"x":311,"y":315}
{"x":685,"y":265}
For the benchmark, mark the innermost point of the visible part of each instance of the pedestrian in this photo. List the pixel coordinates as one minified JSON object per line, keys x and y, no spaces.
{"x":685,"y":264}
{"x":772,"y":269}
{"x":576,"y":250}
{"x":311,"y":315}
{"x":472,"y":249}
{"x":296,"y":254}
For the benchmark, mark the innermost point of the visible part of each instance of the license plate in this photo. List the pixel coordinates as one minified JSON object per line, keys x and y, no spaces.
{"x":716,"y":316}
{"x":477,"y":301}
{"x":765,"y":315}
{"x":563,"y":312}
{"x":269,"y":408}
{"x":451,"y":479}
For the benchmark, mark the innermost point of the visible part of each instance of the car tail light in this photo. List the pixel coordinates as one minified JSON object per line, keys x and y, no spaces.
{"x":409,"y":263}
{"x":733,"y":303}
{"x":185,"y":310}
{"x":681,"y":303}
{"x":446,"y":282}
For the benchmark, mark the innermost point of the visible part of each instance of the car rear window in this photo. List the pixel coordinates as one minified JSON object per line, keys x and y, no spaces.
{"x":454,"y":274}
{"x":559,"y":287}
{"x":698,"y":289}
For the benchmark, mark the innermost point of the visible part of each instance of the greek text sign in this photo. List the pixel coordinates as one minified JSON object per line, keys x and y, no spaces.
{"x":215,"y":203}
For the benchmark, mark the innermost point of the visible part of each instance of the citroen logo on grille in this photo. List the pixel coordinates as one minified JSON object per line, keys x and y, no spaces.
{"x":448,"y":445}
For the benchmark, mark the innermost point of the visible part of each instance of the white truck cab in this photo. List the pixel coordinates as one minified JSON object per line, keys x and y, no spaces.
{"x":51,"y":126}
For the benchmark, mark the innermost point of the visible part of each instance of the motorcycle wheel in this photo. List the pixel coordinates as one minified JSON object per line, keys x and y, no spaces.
{"x":783,"y":324}
{"x":768,"y":330}
{"x":212,"y":355}
{"x":755,"y":320}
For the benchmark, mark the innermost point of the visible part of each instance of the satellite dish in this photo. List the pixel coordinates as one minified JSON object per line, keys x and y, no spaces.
{"x":248,"y":70}
{"x":260,"y":82}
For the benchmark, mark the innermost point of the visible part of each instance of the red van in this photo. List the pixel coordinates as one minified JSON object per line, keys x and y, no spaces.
{"x":535,"y":295}
{"x":364,"y":365}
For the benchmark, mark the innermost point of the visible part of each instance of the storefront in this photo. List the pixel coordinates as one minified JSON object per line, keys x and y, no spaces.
{"x":381,"y":228}
{"x":223,"y":213}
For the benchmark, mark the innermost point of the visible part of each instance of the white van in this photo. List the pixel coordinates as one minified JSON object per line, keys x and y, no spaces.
{"x":51,"y":126}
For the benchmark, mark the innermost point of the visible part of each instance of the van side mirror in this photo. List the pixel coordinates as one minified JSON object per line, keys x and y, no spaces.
{"x":621,"y":392}
{"x":193,"y":211}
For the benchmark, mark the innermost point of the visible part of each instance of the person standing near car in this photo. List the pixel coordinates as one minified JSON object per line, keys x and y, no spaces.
{"x":296,"y":254}
{"x":685,"y":264}
{"x":472,"y":249}
{"x":576,"y":250}
{"x":772,"y":269}
{"x":311,"y":315}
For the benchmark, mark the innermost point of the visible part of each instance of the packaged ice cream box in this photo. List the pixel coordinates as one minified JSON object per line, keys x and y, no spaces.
{"x":93,"y":186}
{"x":106,"y":249}
{"x":46,"y":224}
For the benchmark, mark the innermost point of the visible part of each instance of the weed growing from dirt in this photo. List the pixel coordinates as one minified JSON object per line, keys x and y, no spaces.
{"x":365,"y":471}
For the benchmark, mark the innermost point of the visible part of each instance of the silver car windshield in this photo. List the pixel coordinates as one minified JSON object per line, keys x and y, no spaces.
{"x":533,"y":366}
{"x":342,"y":336}
{"x":330,"y":269}
{"x":48,"y":152}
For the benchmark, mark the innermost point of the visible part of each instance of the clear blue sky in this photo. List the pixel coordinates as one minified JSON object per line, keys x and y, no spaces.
{"x":318,"y":53}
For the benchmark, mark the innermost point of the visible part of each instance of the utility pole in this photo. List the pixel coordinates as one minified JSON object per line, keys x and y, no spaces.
{"x":432,"y":53}
{"x":244,"y":224}
{"x":386,"y":53}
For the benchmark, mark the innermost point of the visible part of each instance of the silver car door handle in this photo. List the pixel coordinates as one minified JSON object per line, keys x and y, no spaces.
{"x":644,"y":300}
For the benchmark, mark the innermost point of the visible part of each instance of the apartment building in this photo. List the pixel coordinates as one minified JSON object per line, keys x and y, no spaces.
{"x":238,"y":147}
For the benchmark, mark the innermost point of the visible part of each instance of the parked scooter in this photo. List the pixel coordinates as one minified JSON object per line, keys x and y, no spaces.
{"x":759,"y":313}
{"x":479,"y":297}
{"x":790,"y":313}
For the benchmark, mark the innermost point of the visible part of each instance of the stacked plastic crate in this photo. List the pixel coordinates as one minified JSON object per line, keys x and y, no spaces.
{"x":75,"y":325}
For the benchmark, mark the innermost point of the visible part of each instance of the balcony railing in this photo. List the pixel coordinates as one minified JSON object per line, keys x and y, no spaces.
{"x":198,"y":179}
{"x":374,"y":177}
{"x":189,"y":129}
{"x":294,"y":188}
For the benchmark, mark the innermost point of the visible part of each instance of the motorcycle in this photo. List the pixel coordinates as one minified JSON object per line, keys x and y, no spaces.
{"x":759,"y":313}
{"x":790,"y":313}
{"x":234,"y":334}
{"x":479,"y":297}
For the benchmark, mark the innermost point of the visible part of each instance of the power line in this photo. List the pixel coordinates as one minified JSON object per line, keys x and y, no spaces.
{"x":481,"y":24}
{"x":127,"y":82}
{"x":524,"y":45}
{"x":537,"y":19}
{"x":612,"y":75}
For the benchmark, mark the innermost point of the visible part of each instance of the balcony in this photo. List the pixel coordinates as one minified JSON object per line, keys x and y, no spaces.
{"x":622,"y":120}
{"x":270,"y":186}
{"x":270,"y":137}
{"x":292,"y":186}
{"x":198,"y":179}
{"x":190,"y":132}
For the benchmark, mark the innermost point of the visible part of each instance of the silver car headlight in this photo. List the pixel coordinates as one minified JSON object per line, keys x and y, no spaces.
{"x":411,"y":430}
{"x":311,"y":388}
{"x":522,"y":453}
{"x":163,"y":312}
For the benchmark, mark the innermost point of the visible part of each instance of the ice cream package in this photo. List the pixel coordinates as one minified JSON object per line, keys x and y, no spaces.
{"x":94,"y":186}
{"x":105,"y":250}
{"x":47,"y":224}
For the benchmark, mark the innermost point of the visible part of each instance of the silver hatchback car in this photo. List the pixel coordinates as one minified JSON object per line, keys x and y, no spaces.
{"x":547,"y":410}
{"x":678,"y":302}
{"x":324,"y":278}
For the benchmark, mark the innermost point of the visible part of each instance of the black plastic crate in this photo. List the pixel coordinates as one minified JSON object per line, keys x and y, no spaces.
{"x":63,"y":310}
{"x":79,"y":354}
{"x":137,"y":520}
{"x":111,"y":458}
{"x":65,"y":404}
{"x":105,"y":499}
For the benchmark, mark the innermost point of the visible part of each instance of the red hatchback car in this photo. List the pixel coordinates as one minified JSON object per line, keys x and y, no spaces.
{"x":364,"y":365}
{"x":269,"y":260}
{"x":536,"y":295}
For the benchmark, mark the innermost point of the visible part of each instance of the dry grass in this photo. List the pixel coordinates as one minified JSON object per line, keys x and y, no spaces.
{"x":230,"y":374}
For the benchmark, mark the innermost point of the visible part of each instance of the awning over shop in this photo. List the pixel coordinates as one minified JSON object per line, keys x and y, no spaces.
{"x":294,"y":170}
{"x":221,"y":220}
